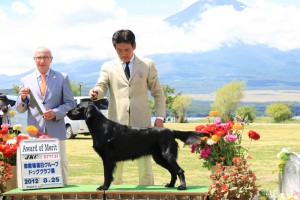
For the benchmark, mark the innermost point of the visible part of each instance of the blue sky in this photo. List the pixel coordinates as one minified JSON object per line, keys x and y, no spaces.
{"x":82,"y":29}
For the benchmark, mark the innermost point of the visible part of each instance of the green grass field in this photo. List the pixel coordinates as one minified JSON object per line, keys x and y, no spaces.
{"x":85,"y":167}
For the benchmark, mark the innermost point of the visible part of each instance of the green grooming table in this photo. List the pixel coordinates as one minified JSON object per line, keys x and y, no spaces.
{"x":157,"y":190}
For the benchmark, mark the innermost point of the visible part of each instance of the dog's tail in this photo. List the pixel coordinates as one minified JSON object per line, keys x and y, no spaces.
{"x":189,"y":137}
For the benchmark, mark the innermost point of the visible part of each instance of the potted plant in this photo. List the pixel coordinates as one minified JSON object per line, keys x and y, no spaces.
{"x":233,"y":182}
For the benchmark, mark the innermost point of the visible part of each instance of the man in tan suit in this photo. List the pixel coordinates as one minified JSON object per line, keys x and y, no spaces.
{"x":128,"y":79}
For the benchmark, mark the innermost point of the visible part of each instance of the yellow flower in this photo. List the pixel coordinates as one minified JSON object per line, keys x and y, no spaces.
{"x":12,"y":112}
{"x":215,"y":138}
{"x":18,"y":127}
{"x":32,"y":130}
{"x":214,"y":113}
{"x":237,"y":127}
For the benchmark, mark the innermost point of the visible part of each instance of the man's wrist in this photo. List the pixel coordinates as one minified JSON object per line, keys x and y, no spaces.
{"x":161,"y":118}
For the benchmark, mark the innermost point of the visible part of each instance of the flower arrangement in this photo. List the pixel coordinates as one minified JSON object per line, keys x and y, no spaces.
{"x":10,"y":139}
{"x":233,"y":182}
{"x":222,"y":141}
{"x":5,"y":174}
{"x":283,"y":156}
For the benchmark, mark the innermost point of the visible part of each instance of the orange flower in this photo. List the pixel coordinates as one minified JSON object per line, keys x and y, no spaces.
{"x":32,"y":130}
{"x":214,"y":113}
{"x":237,"y":127}
{"x":215,"y":138}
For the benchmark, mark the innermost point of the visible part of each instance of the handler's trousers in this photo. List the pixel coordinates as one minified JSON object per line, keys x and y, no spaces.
{"x":145,"y":171}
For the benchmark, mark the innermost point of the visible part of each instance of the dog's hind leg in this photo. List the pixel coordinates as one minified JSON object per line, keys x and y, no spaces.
{"x":169,"y":156}
{"x":108,"y":175}
{"x":159,"y":159}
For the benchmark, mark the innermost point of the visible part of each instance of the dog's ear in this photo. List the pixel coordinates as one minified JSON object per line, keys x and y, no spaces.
{"x":89,"y":111}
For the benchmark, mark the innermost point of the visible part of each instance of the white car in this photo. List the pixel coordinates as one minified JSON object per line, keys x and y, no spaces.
{"x":75,"y":127}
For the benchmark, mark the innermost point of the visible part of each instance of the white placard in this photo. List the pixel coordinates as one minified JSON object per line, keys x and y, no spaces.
{"x":39,"y":164}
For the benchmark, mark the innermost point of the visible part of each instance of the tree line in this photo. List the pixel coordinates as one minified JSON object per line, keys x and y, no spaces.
{"x":228,"y":101}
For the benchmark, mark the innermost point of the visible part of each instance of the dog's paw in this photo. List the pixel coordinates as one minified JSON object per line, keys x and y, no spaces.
{"x":181,"y":187}
{"x":169,"y":185}
{"x":102,"y":187}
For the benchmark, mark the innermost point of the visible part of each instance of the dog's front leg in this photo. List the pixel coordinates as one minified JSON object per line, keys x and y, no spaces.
{"x":108,"y":175}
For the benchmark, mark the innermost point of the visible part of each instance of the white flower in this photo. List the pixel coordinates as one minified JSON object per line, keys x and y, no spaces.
{"x":284,"y":150}
{"x":18,"y":127}
{"x":12,"y":141}
{"x":210,"y":141}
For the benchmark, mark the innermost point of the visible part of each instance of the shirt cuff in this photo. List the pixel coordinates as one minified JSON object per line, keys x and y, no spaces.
{"x":161,"y":118}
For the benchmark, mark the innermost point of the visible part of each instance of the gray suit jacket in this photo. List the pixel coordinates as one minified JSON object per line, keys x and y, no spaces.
{"x":129,"y":98}
{"x":58,"y":97}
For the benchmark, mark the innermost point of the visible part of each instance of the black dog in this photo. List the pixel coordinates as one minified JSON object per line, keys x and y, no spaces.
{"x":115,"y":142}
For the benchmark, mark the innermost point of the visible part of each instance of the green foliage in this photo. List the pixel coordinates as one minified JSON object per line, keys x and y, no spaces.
{"x":228,"y":98}
{"x":279,"y":112}
{"x":169,"y":94}
{"x":16,"y":89}
{"x":180,"y":105}
{"x":248,"y":113}
{"x":76,"y":88}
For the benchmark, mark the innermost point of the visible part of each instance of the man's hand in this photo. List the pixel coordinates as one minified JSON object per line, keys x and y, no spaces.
{"x":93,"y":94}
{"x":24,"y":92}
{"x":159,"y":123}
{"x":49,"y":114}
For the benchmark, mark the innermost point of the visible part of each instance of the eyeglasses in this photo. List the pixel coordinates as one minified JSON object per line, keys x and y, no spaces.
{"x":46,"y":58}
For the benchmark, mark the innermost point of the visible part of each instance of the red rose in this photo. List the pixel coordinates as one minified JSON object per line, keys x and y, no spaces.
{"x":253,"y":135}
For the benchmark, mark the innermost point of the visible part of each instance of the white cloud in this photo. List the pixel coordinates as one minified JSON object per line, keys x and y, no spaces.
{"x":82,"y":29}
{"x":19,"y":7}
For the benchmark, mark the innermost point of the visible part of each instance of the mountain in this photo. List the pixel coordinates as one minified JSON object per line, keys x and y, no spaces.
{"x":193,"y":12}
{"x":260,"y":66}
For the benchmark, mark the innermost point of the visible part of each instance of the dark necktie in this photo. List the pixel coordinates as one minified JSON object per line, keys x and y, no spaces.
{"x":127,"y":72}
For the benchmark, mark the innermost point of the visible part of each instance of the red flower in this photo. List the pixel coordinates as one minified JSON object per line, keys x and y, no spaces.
{"x":253,"y":135}
{"x":224,"y":187}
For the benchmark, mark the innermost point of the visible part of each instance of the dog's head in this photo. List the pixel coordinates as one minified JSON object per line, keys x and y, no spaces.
{"x":80,"y":111}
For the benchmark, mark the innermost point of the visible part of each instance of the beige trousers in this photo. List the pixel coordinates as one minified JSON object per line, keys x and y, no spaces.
{"x":145,"y":172}
{"x":64,"y":161}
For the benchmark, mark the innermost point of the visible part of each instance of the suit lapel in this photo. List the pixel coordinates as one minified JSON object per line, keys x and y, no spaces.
{"x":136,"y":66}
{"x":35,"y":86}
{"x":51,"y":79}
{"x":120,"y":70}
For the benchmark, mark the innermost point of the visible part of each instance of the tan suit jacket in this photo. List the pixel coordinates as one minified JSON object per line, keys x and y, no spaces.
{"x":129,"y":98}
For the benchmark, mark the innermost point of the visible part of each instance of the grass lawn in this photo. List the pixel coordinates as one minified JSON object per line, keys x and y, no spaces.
{"x":85,"y":166}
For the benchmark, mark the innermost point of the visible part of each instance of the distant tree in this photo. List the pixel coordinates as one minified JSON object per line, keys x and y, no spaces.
{"x":16,"y":89}
{"x":170,"y":96}
{"x":76,"y":87}
{"x":246,"y":113}
{"x":180,"y":105}
{"x":228,"y":98}
{"x":279,"y":112}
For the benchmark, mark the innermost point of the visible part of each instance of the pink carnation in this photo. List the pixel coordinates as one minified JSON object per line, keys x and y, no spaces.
{"x":205,"y":152}
{"x":230,"y":138}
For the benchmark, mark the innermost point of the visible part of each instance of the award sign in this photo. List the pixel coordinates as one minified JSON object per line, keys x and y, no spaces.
{"x":39,"y":164}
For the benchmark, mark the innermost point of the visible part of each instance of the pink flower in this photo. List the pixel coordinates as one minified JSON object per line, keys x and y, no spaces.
{"x":5,"y":126}
{"x":217,"y":122}
{"x":205,"y":151}
{"x":230,"y":138}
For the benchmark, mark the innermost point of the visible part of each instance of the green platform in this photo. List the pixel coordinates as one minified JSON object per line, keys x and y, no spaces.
{"x":114,"y":189}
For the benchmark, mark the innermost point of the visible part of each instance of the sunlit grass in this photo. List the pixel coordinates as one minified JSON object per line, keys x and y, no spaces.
{"x":85,"y":166}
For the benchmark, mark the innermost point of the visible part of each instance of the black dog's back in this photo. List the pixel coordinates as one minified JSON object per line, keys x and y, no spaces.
{"x":115,"y":142}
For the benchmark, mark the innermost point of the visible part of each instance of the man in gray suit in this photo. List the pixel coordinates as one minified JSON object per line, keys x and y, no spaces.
{"x":128,"y":91}
{"x":54,"y":100}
